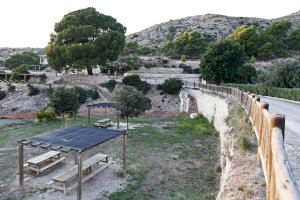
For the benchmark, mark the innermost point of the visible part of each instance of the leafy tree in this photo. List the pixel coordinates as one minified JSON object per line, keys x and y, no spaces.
{"x":248,"y":37}
{"x":28,"y":58}
{"x":81,"y":93}
{"x":221,"y":62}
{"x":85,"y":38}
{"x":191,"y":44}
{"x":294,"y":39}
{"x":263,"y":43}
{"x":171,"y":86}
{"x":22,"y":69}
{"x":131,"y":102}
{"x":279,"y":29}
{"x":63,"y":101}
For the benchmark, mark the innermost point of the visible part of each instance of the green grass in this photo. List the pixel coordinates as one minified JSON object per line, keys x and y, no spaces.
{"x":192,"y":140}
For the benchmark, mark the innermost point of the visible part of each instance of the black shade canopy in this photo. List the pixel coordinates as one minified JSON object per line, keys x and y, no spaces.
{"x":105,"y":104}
{"x":78,"y":138}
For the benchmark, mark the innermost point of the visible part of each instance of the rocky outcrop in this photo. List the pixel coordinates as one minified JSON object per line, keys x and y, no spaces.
{"x":209,"y":25}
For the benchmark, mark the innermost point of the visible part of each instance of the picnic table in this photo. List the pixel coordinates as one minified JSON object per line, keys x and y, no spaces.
{"x":104,"y":123}
{"x":43,"y":162}
{"x":63,"y":181}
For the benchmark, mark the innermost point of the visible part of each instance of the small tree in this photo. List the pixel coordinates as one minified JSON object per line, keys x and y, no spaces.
{"x":222,"y":61}
{"x":131,"y":102}
{"x":63,"y":101}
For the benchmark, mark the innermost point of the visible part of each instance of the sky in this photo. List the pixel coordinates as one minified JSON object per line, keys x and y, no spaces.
{"x":28,"y":23}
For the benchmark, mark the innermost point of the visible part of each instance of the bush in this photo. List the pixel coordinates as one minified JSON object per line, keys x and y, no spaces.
{"x":135,"y":81}
{"x":284,"y":74}
{"x":110,"y":85}
{"x":45,"y":115}
{"x":93,"y":94}
{"x":2,"y":94}
{"x":11,"y":87}
{"x":188,"y":70}
{"x":171,"y":86}
{"x":33,"y":90}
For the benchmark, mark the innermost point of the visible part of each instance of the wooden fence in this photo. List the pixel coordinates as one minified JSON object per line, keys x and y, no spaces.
{"x":269,"y":130}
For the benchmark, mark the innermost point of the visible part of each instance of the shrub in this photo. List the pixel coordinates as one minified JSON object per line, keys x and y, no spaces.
{"x":171,"y":85}
{"x":135,"y":81}
{"x":93,"y":94}
{"x":183,"y":58}
{"x":33,"y":90}
{"x":284,"y":74}
{"x":188,"y":70}
{"x":45,"y":115}
{"x":243,"y":142}
{"x":110,"y":85}
{"x":11,"y":87}
{"x":2,"y":94}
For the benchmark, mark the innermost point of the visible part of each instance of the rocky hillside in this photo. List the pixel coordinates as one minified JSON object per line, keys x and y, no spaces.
{"x":6,"y":52}
{"x":210,"y":25}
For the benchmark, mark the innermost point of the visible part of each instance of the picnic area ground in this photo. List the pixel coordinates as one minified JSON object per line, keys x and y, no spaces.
{"x":168,"y":157}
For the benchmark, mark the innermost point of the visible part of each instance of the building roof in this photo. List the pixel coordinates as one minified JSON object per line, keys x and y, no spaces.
{"x":73,"y":138}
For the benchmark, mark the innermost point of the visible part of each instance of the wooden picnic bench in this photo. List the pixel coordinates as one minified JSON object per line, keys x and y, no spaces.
{"x":63,"y":181}
{"x":104,"y":123}
{"x":43,"y":162}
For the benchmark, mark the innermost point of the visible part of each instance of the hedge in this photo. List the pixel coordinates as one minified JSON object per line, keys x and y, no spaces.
{"x":261,"y":89}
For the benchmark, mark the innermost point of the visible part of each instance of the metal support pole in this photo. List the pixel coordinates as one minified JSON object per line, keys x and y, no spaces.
{"x":79,"y":177}
{"x":21,"y":165}
{"x":118,"y":123}
{"x":124,"y":155}
{"x":89,"y":116}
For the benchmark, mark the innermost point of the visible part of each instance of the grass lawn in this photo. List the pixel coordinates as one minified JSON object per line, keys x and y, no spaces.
{"x":168,"y":158}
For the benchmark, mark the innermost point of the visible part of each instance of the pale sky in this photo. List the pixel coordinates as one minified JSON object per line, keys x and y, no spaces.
{"x":28,"y":23}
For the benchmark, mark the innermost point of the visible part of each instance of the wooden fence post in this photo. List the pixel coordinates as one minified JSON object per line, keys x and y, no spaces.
{"x":21,"y":165}
{"x":276,"y":120}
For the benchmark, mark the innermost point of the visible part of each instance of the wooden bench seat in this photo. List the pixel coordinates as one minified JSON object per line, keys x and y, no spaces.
{"x":43,"y":162}
{"x":41,"y":158}
{"x":60,"y":181}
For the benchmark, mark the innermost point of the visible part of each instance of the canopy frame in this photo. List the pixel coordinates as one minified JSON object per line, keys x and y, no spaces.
{"x":78,"y":153}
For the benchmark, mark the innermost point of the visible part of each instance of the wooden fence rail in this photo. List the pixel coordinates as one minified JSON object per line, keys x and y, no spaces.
{"x":269,"y":130}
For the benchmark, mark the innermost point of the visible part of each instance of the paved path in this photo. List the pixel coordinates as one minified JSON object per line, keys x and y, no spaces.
{"x":292,"y":130}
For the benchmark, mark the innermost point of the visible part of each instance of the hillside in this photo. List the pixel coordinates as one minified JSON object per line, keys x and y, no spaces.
{"x":209,"y":25}
{"x":6,"y":52}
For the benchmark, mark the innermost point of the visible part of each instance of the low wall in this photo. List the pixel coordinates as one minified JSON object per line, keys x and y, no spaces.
{"x":216,"y":110}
